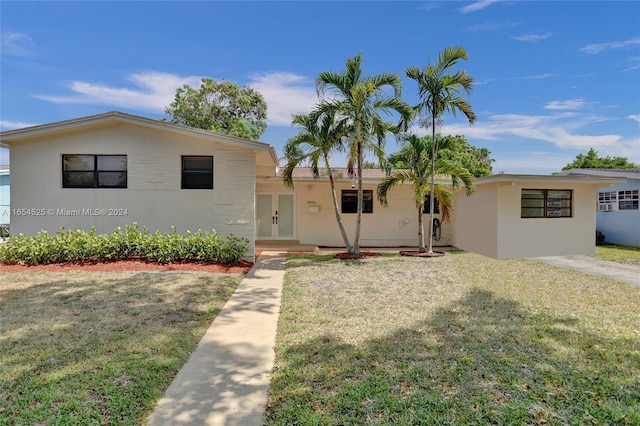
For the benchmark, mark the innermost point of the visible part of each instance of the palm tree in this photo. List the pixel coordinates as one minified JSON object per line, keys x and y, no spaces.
{"x":319,"y":135}
{"x":419,"y":175}
{"x":439,"y":93}
{"x":360,"y":100}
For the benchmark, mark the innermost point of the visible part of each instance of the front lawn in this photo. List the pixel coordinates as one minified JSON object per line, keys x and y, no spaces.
{"x":82,"y":348}
{"x":461,"y":339}
{"x":621,"y":254}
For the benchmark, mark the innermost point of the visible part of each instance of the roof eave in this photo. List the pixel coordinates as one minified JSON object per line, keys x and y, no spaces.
{"x":9,"y":136}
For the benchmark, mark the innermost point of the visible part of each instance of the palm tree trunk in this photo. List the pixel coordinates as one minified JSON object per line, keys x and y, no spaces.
{"x":360,"y":160}
{"x":433,"y":177}
{"x":337,"y":208}
{"x":420,"y":229}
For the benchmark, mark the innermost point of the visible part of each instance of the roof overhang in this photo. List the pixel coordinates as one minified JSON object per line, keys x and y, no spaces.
{"x":569,"y":179}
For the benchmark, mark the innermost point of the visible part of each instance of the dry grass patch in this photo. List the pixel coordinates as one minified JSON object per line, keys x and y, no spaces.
{"x":99,"y":348}
{"x":461,"y":339}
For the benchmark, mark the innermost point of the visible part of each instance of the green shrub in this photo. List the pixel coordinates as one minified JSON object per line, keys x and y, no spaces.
{"x":80,"y":246}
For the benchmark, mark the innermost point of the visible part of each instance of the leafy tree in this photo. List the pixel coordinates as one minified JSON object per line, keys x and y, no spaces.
{"x":418,"y":174}
{"x":319,"y":135}
{"x":221,"y":107}
{"x":453,"y":148}
{"x":439,"y":93}
{"x":593,"y":161}
{"x":360,"y":100}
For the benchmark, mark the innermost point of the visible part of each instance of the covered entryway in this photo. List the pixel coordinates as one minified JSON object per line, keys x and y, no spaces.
{"x":275,"y":216}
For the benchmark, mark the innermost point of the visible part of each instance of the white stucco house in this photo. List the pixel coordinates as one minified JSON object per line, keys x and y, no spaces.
{"x":114,"y":169}
{"x":618,"y":212}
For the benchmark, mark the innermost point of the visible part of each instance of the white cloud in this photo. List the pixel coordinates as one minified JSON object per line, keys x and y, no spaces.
{"x":16,"y":44}
{"x":152,"y":91}
{"x":474,"y":7}
{"x":601,"y":47}
{"x":536,"y":77}
{"x":634,"y":117}
{"x":568,"y":104}
{"x":491,"y":26}
{"x":286,"y":94}
{"x":9,"y":125}
{"x":559,"y":130}
{"x":532,"y":37}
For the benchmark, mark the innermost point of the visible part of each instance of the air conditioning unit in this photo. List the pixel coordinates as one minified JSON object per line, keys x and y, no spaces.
{"x":607,"y":207}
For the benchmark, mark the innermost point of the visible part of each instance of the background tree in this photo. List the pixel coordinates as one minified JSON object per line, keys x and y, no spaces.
{"x":221,"y":107}
{"x":593,"y":161}
{"x":418,"y":174}
{"x":319,"y":135}
{"x":360,"y":100}
{"x":453,"y":148}
{"x":439,"y":93}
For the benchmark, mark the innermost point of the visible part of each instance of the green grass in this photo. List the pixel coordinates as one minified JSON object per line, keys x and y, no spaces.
{"x":621,"y":254}
{"x":461,"y":339}
{"x":94,"y":348}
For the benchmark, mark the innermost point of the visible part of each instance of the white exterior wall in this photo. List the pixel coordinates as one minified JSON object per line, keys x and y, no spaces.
{"x":393,"y":226}
{"x":475,"y":221}
{"x":5,"y":212}
{"x":153,"y":197}
{"x":622,"y":226}
{"x":489,"y":222}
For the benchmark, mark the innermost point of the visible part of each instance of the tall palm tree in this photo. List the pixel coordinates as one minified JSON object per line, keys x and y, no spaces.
{"x":439,"y":92}
{"x":360,"y":100}
{"x":419,"y":175}
{"x":319,"y":135}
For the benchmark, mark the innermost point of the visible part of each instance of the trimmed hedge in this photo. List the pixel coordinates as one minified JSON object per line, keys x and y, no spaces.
{"x":80,"y":246}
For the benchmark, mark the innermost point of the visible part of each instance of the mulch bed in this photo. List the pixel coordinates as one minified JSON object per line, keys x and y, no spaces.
{"x":422,"y":254}
{"x":132,"y":266}
{"x":349,"y":256}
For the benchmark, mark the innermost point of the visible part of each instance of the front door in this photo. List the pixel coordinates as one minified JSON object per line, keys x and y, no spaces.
{"x":275,"y":218}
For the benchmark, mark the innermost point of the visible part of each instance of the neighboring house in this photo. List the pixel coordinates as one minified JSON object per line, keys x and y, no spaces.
{"x":618,"y":212}
{"x":113,"y":169}
{"x":5,"y":204}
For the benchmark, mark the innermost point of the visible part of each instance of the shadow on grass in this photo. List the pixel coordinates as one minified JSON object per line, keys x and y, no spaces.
{"x":480,"y":360}
{"x":100,"y":349}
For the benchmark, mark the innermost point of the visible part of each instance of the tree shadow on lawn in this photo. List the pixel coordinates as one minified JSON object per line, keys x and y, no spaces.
{"x":100,"y":349}
{"x":480,"y":360}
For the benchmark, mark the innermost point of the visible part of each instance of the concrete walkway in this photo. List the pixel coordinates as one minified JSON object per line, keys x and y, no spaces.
{"x":590,"y":265}
{"x":226,"y":379}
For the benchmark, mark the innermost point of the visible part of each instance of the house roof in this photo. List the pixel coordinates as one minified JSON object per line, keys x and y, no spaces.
{"x":304,"y":174}
{"x":624,"y":173}
{"x":502,"y":177}
{"x":12,"y":136}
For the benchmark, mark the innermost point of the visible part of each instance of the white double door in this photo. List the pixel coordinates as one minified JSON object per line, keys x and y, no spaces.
{"x":275,"y":216}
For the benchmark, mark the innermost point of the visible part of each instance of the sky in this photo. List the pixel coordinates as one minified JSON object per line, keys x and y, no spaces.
{"x":552,"y":78}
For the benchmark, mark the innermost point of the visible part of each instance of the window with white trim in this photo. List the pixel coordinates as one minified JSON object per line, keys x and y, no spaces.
{"x":618,"y":200}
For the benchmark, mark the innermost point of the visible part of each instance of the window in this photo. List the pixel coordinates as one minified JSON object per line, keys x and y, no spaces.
{"x":427,"y":206}
{"x":197,"y":172}
{"x":94,"y":171}
{"x":628,"y":200}
{"x":536,"y":203}
{"x":350,"y":201}
{"x":618,"y":200}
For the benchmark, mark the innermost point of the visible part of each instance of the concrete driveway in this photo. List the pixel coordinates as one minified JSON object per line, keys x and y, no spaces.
{"x":590,"y":265}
